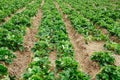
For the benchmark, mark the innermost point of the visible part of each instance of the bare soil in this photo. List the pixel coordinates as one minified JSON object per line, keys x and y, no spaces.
{"x":52,"y":58}
{"x":23,"y":59}
{"x":115,"y":39}
{"x":117,"y":59}
{"x":82,"y":50}
{"x":104,"y":31}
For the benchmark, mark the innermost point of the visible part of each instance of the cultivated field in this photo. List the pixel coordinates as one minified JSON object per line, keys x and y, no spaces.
{"x":59,"y":39}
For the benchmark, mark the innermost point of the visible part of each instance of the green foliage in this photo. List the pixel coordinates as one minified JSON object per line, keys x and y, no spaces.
{"x":113,"y":46}
{"x":21,"y":19}
{"x":3,"y":70}
{"x":66,"y":48}
{"x":36,"y":77}
{"x":81,"y":24}
{"x":53,"y":36}
{"x":65,"y":63}
{"x":69,"y":68}
{"x":6,"y":55}
{"x":39,"y":69}
{"x":104,"y":58}
{"x":13,"y":40}
{"x":100,"y":13}
{"x":40,"y":45}
{"x":10,"y":7}
{"x":109,"y":72}
{"x":12,"y":32}
{"x":72,"y":74}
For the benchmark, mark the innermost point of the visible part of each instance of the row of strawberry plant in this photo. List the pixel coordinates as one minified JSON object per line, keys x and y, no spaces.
{"x":40,"y":68}
{"x":81,"y":24}
{"x":9,"y":7}
{"x":105,"y":59}
{"x":53,"y":36}
{"x":66,"y":65}
{"x":108,"y":71}
{"x":6,"y":56}
{"x":113,"y":46}
{"x":110,"y":45}
{"x":79,"y":21}
{"x":105,"y":17}
{"x":103,"y":9}
{"x":12,"y":33}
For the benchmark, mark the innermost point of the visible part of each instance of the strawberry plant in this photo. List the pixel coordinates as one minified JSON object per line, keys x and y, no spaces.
{"x":113,"y":46}
{"x":12,"y":37}
{"x":72,"y":74}
{"x":3,"y":70}
{"x":65,"y":63}
{"x":103,"y":58}
{"x":53,"y":36}
{"x":6,"y":55}
{"x":109,"y":72}
{"x":10,"y":7}
{"x":21,"y":19}
{"x":102,"y":15}
{"x":83,"y":25}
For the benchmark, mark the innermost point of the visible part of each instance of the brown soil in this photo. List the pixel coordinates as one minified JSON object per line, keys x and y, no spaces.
{"x":82,"y":50}
{"x":52,"y":58}
{"x":117,"y":59}
{"x":104,"y":31}
{"x":115,"y":39}
{"x":19,"y":65}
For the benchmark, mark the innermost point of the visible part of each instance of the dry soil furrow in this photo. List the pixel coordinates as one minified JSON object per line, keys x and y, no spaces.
{"x":82,"y":50}
{"x":52,"y":58}
{"x":24,"y":58}
{"x":117,"y":59}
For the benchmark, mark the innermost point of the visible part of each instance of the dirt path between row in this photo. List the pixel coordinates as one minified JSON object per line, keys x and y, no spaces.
{"x":23,"y":59}
{"x":117,"y":59}
{"x":52,"y":58}
{"x":83,"y":51}
{"x":12,"y":15}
